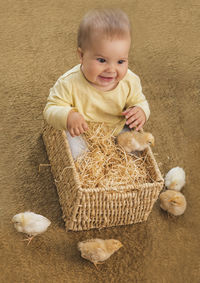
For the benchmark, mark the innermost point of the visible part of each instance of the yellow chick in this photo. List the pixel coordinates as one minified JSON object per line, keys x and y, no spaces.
{"x":31,"y":224}
{"x":175,"y":179}
{"x":135,"y":141}
{"x":173,"y":202}
{"x":98,"y":250}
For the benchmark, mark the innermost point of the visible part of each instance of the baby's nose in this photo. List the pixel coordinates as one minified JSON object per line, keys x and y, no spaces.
{"x":110,"y":68}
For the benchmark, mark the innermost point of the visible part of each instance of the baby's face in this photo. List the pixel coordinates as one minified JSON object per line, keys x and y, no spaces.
{"x":105,"y":62}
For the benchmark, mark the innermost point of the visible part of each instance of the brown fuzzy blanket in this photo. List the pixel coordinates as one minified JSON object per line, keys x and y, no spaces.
{"x":38,"y":42}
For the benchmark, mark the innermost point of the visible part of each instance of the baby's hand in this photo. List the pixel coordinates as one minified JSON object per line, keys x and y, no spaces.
{"x":76,"y":124}
{"x":135,"y":117}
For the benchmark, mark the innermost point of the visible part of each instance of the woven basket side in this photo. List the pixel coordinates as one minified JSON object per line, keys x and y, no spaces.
{"x":63,"y":169}
{"x":105,"y":209}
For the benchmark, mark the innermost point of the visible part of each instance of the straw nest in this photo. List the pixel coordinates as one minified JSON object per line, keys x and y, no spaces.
{"x":106,"y":164}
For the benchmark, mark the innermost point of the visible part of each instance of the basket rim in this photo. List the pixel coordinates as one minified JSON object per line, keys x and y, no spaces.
{"x":122,"y":188}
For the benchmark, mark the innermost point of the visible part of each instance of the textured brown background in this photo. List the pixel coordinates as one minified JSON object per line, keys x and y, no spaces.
{"x":38,"y":40}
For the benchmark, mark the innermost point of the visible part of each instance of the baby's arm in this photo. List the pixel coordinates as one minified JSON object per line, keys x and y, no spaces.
{"x":135,"y":117}
{"x":59,"y":104}
{"x":137,"y":108}
{"x":76,"y":124}
{"x":60,"y":109}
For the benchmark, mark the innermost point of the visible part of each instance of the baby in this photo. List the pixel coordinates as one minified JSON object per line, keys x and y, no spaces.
{"x":101,"y":88}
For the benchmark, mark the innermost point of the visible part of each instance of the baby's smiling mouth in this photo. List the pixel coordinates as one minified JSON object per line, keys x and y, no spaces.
{"x":106,"y":78}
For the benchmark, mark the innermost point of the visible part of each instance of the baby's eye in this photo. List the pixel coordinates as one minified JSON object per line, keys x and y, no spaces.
{"x":121,"y":61}
{"x":101,"y":60}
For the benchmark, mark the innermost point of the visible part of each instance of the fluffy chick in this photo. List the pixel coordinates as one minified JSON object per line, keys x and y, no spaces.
{"x":173,"y":202}
{"x":175,"y":179}
{"x":98,"y":250}
{"x":31,"y":224}
{"x":135,"y":141}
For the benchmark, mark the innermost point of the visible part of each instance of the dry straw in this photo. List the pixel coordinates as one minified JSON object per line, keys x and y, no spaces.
{"x":105,"y":186}
{"x":107,"y":164}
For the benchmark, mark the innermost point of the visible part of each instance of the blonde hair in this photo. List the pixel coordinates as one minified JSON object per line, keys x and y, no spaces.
{"x":110,"y":23}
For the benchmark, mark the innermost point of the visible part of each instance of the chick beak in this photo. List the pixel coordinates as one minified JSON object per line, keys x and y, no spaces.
{"x":151,"y":142}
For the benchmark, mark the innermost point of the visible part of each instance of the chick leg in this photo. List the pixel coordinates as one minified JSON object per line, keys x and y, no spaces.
{"x":95,"y":263}
{"x":168,"y":215}
{"x":29,"y":239}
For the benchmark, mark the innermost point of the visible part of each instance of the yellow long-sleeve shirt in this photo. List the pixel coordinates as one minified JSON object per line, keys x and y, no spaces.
{"x":73,"y":91}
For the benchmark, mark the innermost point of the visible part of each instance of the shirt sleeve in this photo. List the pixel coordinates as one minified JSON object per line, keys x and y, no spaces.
{"x":59,"y":104}
{"x":137,"y":98}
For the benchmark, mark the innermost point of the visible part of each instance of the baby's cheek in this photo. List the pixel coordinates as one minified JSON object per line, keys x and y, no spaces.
{"x":93,"y":70}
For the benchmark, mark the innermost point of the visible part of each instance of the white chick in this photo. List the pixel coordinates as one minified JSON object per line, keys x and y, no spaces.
{"x":31,"y":224}
{"x":173,"y":202}
{"x":135,"y":141}
{"x":175,"y":179}
{"x":98,"y":250}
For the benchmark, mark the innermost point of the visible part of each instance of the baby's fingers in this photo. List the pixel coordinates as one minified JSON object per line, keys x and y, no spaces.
{"x":133,"y":125}
{"x":77,"y":132}
{"x":81,"y":129}
{"x":71,"y":131}
{"x":85,"y":126}
{"x":140,"y":126}
{"x":125,"y":112}
{"x":136,"y":124}
{"x":130,"y":112}
{"x":132,"y":119}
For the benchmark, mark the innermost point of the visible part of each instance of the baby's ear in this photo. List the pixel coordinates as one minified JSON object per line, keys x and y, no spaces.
{"x":80,"y":54}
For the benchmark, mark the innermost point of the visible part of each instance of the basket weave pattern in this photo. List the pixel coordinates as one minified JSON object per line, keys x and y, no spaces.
{"x":84,"y":208}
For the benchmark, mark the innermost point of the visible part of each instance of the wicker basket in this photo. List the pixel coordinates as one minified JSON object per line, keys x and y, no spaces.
{"x":85,"y":209}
